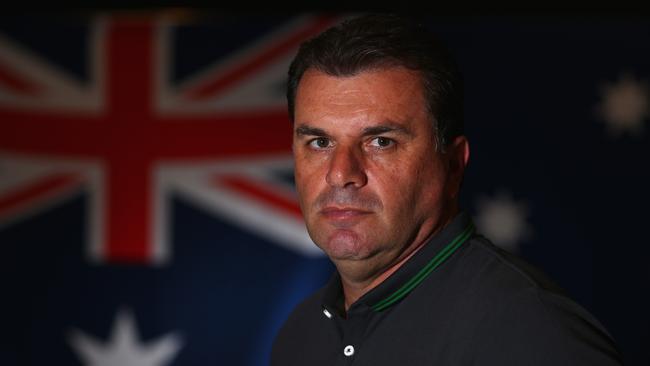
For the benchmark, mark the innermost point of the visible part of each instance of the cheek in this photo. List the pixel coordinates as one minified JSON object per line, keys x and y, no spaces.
{"x":302,"y":183}
{"x":430,"y":183}
{"x":408,"y":189}
{"x":307,"y":177}
{"x":394,"y":185}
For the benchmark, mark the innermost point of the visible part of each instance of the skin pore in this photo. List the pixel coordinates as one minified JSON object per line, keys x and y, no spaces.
{"x":372,"y":186}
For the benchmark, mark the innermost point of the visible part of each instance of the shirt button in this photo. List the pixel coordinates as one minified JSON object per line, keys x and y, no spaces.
{"x":348,"y":350}
{"x":327,"y":313}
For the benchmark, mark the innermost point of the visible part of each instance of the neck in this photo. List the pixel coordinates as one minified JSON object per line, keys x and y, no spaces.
{"x":355,"y":284}
{"x":353,"y":290}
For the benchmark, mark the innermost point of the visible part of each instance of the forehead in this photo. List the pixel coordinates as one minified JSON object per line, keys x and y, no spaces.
{"x":394,"y":94}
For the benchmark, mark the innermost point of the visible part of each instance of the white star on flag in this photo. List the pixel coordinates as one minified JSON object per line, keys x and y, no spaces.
{"x":503,"y":220}
{"x":624,"y":106}
{"x":124,"y":348}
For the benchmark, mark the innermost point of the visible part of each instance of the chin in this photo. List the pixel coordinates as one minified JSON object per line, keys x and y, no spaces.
{"x":345,"y":245}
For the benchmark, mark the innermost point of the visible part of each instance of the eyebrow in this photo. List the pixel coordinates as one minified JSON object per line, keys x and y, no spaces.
{"x":384,"y":128}
{"x":305,"y":130}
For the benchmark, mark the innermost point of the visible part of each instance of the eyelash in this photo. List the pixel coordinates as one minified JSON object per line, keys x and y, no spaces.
{"x":313,"y":143}
{"x":391,"y":142}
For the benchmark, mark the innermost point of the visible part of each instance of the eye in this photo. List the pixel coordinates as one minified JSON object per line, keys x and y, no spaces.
{"x":381,"y":142}
{"x":320,"y":143}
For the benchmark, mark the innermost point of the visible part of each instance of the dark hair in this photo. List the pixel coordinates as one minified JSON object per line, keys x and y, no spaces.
{"x":376,"y":41}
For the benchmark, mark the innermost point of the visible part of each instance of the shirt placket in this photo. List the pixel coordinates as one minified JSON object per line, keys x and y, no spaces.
{"x":352,"y":334}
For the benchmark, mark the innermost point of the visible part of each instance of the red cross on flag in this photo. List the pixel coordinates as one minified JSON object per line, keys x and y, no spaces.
{"x":128,"y":135}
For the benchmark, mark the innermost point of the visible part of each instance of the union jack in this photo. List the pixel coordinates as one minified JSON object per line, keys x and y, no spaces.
{"x":129,"y":134}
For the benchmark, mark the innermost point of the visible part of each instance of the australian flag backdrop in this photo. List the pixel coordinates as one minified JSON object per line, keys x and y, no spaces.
{"x":147,"y":209}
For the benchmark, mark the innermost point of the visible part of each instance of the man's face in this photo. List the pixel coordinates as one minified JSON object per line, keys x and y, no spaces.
{"x":370,"y":181}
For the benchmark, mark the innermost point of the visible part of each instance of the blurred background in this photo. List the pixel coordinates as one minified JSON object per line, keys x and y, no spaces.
{"x":147,"y":209}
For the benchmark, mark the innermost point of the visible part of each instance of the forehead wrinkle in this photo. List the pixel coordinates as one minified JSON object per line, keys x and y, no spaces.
{"x":353,"y":102}
{"x":351,"y":105}
{"x":347,"y":93}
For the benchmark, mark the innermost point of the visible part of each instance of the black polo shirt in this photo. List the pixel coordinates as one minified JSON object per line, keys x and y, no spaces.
{"x":458,"y":301}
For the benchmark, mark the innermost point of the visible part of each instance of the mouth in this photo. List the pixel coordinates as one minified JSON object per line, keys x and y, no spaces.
{"x":343,"y":213}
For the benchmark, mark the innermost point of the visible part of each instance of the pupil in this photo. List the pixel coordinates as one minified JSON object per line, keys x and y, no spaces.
{"x":322,"y":142}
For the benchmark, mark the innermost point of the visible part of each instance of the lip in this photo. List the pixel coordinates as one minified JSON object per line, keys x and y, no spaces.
{"x":343,"y":213}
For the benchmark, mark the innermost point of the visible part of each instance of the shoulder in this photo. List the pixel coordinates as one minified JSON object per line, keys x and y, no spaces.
{"x":483,"y":278}
{"x":294,"y":335}
{"x":308,"y":310}
{"x":511,"y":285}
{"x":527,"y":316}
{"x":502,"y":270}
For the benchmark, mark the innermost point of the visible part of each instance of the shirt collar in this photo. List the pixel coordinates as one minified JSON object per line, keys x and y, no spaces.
{"x":410,"y":274}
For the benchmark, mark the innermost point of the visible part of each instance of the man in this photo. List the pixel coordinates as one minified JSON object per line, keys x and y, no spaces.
{"x":376,"y":105}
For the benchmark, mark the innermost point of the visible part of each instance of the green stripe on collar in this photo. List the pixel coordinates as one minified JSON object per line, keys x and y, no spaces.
{"x":424,"y":272}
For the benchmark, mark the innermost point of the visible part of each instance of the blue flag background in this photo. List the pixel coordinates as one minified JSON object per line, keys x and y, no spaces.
{"x":557,"y":112}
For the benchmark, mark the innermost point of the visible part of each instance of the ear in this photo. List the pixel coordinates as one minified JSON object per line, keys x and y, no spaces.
{"x":458,"y":152}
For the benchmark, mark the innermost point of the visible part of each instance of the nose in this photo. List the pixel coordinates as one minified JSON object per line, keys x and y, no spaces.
{"x":346,"y":169}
